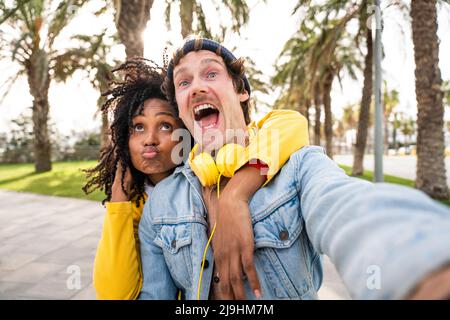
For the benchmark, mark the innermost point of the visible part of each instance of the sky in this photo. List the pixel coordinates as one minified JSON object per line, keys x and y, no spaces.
{"x":73,"y":104}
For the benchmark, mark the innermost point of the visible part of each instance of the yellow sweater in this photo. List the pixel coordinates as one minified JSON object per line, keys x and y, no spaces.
{"x":117,"y":265}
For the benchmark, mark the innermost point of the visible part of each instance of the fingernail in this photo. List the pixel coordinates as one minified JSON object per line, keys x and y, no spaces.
{"x":257,"y":294}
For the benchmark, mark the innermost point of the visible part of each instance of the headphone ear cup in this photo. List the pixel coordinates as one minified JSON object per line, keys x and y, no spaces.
{"x":230,"y":157}
{"x":204,"y":168}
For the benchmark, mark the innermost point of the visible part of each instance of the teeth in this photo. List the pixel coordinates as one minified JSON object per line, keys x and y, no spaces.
{"x":201,"y":107}
{"x":210,"y":126}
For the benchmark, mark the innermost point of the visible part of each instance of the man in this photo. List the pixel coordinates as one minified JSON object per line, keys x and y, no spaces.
{"x":386,"y":241}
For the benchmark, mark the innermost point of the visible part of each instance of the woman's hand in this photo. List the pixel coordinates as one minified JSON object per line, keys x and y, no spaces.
{"x":118,"y":195}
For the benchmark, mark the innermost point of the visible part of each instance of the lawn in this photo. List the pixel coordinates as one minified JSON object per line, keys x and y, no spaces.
{"x":368,"y":175}
{"x":66,"y":179}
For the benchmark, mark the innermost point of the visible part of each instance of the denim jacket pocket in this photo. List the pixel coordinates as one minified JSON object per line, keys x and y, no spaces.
{"x":282,"y":253}
{"x":172,"y":237}
{"x":175,"y":241}
{"x":280,"y":228}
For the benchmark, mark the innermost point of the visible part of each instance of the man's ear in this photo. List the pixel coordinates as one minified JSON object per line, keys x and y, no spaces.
{"x":244,"y":96}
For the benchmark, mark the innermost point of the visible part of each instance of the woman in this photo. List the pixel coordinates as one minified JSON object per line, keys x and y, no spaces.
{"x":138,"y":157}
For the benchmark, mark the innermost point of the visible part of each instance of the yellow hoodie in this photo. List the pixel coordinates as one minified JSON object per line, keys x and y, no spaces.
{"x":117,"y":265}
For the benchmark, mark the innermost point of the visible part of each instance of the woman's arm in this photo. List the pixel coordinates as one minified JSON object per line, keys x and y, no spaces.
{"x":117,"y":266}
{"x":278,"y":135}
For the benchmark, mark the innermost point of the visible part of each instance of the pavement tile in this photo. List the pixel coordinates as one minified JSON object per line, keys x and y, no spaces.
{"x":33,"y":272}
{"x":12,"y":290}
{"x":65,"y":255}
{"x":57,"y":286}
{"x":41,"y":245}
{"x":15,"y":261}
{"x":85,"y":294}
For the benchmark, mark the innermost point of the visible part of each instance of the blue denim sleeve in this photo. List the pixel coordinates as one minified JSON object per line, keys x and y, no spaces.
{"x":383,"y":238}
{"x":157,"y":283}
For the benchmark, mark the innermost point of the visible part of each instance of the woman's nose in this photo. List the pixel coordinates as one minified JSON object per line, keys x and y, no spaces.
{"x":151,"y":138}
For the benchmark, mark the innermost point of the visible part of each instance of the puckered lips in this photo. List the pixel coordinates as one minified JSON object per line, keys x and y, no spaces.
{"x":206,"y":116}
{"x":150,"y":152}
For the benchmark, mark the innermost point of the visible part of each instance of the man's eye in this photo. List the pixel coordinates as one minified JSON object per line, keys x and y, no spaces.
{"x":166,"y":126}
{"x":183,"y":83}
{"x":138,"y":127}
{"x":212,"y":74}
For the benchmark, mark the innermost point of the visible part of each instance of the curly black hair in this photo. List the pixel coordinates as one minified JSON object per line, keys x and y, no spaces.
{"x":142,"y":80}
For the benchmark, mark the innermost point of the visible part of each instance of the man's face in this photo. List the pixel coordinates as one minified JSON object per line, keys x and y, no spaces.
{"x":207,"y":100}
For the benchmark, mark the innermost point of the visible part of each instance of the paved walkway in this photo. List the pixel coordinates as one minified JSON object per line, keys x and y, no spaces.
{"x":47,"y":241}
{"x":400,"y":166}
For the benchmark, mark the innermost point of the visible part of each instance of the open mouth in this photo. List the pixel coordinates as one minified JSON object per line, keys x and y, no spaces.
{"x":206,"y":115}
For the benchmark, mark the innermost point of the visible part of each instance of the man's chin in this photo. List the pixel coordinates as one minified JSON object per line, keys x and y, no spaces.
{"x":212,"y":139}
{"x":210,"y":146}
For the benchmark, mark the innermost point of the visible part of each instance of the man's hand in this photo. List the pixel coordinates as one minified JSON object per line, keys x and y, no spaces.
{"x":233,"y":241}
{"x":435,"y":286}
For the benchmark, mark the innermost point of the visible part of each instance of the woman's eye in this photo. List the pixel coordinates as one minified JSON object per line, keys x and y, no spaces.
{"x":212,"y":74}
{"x":138,"y":127}
{"x":166,"y":126}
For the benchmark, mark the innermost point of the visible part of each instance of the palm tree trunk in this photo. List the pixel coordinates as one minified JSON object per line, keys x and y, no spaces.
{"x":39,"y":83}
{"x":431,"y":176}
{"x":363,"y":123}
{"x":327,"y":84}
{"x":303,"y":108}
{"x":187,"y":8}
{"x":317,"y":105}
{"x":131,"y":20}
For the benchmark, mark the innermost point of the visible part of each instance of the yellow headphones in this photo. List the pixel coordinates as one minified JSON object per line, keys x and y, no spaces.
{"x":228,"y":159}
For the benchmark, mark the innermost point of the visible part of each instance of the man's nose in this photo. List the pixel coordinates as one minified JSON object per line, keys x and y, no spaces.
{"x":198,"y":87}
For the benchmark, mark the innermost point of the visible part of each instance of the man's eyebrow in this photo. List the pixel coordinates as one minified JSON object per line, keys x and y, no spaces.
{"x":204,"y":61}
{"x":182,"y":69}
{"x":209,"y":60}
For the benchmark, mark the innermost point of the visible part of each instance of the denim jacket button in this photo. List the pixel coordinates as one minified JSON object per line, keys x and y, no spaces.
{"x":206,"y":265}
{"x":284,"y":235}
{"x":173,"y":244}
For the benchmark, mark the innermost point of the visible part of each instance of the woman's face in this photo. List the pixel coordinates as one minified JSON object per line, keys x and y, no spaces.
{"x":150,"y":141}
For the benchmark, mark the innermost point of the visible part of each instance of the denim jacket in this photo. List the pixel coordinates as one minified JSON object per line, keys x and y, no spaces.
{"x":382,"y":238}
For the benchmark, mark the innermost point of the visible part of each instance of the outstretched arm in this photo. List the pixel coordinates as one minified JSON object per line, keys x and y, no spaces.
{"x":384,"y":239}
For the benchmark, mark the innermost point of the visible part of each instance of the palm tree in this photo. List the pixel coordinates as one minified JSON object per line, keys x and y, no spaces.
{"x":131,"y":20}
{"x":91,"y":57}
{"x":355,"y":10}
{"x":315,"y":56}
{"x":32,"y":29}
{"x":192,"y":10}
{"x":364,"y":114}
{"x":431,"y":177}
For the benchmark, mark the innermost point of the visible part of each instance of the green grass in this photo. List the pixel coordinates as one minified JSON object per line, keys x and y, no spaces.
{"x":368,"y":175}
{"x":65,"y":179}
